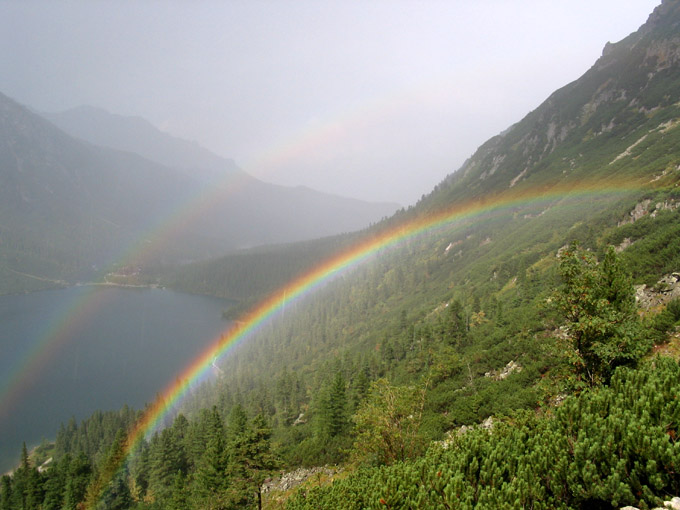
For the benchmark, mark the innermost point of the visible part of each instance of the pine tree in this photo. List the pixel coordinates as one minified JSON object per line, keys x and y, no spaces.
{"x":179,"y":499}
{"x":55,"y":483}
{"x":455,"y":327}
{"x":139,"y":467}
{"x":597,"y":300}
{"x":27,"y":486}
{"x":77,"y":481}
{"x":388,"y":423}
{"x":109,"y":489}
{"x":167,"y":455}
{"x":337,"y":406}
{"x":251,"y":462}
{"x":6,"y":493}
{"x":331,"y":409}
{"x":237,"y":421}
{"x":360,"y":384}
{"x":211,"y":481}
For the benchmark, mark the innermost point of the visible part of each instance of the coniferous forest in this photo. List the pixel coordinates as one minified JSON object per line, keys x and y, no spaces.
{"x":523,"y":354}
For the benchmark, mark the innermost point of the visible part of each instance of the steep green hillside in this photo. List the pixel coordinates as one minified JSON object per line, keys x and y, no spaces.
{"x":507,"y":293}
{"x":576,"y":168}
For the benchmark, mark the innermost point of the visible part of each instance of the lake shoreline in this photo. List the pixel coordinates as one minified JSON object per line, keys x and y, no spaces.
{"x":93,"y":346}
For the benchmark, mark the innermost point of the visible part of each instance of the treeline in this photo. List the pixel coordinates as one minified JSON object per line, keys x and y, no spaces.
{"x":251,"y":274}
{"x":211,"y":461}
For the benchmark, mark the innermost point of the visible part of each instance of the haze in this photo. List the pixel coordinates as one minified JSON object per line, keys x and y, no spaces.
{"x":375,"y":100}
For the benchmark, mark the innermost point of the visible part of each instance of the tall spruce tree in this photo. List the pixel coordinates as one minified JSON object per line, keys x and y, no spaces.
{"x":251,"y":462}
{"x":110,"y":489}
{"x":6,"y":493}
{"x":211,"y":479}
{"x":77,"y":481}
{"x":27,"y":486}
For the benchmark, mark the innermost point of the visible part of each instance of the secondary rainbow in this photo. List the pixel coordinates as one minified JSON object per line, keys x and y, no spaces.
{"x":55,"y":335}
{"x":160,"y":233}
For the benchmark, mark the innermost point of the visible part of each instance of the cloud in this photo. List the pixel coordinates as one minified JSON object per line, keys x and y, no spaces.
{"x":377,"y":100}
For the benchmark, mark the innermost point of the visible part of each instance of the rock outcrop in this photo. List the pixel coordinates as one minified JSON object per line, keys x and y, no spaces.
{"x":672,"y":504}
{"x":510,"y":368}
{"x":665,"y":290}
{"x":294,"y":478}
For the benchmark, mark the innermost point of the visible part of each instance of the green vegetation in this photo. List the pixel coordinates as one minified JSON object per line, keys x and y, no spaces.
{"x":390,"y":367}
{"x":602,"y":323}
{"x":610,"y":447}
{"x":208,"y":462}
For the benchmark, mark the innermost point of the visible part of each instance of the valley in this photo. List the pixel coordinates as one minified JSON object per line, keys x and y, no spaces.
{"x":508,"y":341}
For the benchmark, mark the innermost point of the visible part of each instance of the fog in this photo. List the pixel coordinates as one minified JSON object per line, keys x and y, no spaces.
{"x":376,"y":100}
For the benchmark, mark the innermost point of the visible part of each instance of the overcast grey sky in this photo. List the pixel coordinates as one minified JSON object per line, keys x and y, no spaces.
{"x":371,"y":99}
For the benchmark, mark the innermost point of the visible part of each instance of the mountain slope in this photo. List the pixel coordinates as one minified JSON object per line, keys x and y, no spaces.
{"x":278,"y":208}
{"x":630,"y":92}
{"x":70,"y":209}
{"x":67,"y":205}
{"x":616,"y":125}
{"x":576,"y":168}
{"x":134,"y":134}
{"x":454,"y":322}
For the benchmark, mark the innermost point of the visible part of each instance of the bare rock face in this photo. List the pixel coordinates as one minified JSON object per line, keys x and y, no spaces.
{"x":294,"y":478}
{"x":624,"y":244}
{"x":510,"y":368}
{"x":665,"y":290}
{"x":300,"y":420}
{"x":639,"y":211}
{"x":672,"y":504}
{"x":646,"y":207}
{"x":451,"y":435}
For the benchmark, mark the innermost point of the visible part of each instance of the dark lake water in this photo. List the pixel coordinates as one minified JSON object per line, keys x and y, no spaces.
{"x":68,"y":352}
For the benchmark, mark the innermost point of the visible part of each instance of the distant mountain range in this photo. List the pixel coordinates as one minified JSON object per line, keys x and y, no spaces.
{"x":135,"y":134}
{"x":117,"y":190}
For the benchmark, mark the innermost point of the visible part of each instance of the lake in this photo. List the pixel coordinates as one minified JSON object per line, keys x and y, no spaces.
{"x":68,"y":352}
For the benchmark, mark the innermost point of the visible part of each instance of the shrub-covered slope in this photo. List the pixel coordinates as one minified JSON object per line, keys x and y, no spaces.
{"x":492,"y":313}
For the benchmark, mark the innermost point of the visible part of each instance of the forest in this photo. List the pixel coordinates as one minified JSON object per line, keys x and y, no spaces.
{"x":568,"y":413}
{"x":509,"y":341}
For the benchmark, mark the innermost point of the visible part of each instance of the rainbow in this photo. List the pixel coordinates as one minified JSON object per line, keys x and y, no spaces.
{"x":60,"y":329}
{"x":158,"y":234}
{"x":364,"y":249}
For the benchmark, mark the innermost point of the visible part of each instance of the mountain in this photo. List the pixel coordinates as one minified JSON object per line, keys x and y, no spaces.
{"x":135,"y":134}
{"x":70,"y":208}
{"x":481,"y":349}
{"x":67,"y":205}
{"x":617,"y":125}
{"x":453,"y":309}
{"x":585,"y":129}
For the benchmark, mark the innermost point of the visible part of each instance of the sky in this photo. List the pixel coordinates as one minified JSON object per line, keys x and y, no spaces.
{"x":371,"y":99}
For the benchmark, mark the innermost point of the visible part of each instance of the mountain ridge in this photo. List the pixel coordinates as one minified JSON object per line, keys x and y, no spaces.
{"x":597,"y":104}
{"x":69,"y":207}
{"x":138,"y":135}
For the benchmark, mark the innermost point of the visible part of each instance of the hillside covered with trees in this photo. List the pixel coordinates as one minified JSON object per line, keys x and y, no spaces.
{"x":519,"y":352}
